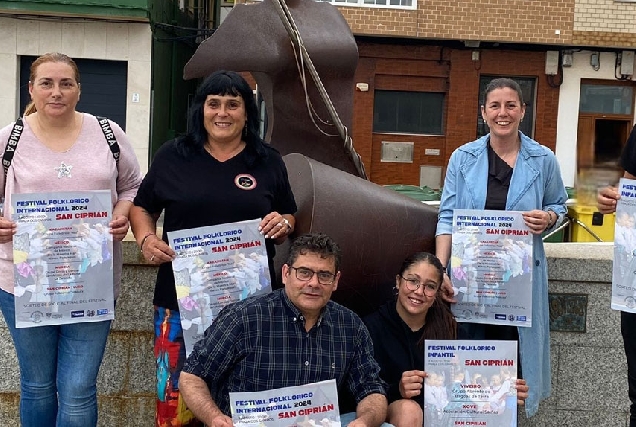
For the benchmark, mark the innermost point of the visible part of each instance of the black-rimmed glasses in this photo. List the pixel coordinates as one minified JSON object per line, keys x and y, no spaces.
{"x":430,"y":288}
{"x":305,"y":274}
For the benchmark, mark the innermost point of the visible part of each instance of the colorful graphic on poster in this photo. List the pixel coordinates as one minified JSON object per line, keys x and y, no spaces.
{"x":62,"y":257}
{"x":309,"y":405}
{"x":624,"y":269}
{"x":216,"y":266}
{"x":491,"y":267}
{"x":470,"y":383}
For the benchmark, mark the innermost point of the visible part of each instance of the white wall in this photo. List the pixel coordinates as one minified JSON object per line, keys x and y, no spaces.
{"x":568,"y":113}
{"x":89,"y":40}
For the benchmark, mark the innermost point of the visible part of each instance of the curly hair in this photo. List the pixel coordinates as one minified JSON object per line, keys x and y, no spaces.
{"x":314,"y":243}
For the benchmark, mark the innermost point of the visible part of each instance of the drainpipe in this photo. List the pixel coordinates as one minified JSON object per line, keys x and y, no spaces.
{"x":217,"y":14}
{"x":173,"y":75}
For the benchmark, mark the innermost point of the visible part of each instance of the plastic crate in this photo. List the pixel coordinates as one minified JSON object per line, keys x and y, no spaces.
{"x":599,"y":224}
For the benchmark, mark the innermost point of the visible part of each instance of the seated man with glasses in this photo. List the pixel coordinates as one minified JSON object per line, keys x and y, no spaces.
{"x":290,"y":337}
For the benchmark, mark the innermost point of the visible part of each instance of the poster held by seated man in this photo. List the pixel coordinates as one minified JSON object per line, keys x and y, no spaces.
{"x":304,"y":405}
{"x":290,"y":337}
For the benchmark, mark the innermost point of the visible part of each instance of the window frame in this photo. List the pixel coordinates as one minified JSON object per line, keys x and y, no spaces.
{"x":360,"y":3}
{"x":442,"y":109}
{"x":612,"y":83}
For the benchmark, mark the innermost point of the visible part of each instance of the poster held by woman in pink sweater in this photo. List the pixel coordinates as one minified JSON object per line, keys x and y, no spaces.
{"x":62,"y":252}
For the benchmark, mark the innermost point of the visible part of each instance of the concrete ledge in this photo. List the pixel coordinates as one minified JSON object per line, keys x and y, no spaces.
{"x":566,"y":259}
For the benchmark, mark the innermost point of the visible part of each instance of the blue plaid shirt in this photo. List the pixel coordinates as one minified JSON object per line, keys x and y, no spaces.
{"x":260,"y":344}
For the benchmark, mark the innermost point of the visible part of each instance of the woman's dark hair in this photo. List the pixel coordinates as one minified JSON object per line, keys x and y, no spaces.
{"x":426,"y":257}
{"x":222,"y":83}
{"x":439,"y":323}
{"x":501,"y":83}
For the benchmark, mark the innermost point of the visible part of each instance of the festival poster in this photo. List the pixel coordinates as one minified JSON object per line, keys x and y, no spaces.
{"x":308,"y":405}
{"x":62,"y":258}
{"x":470,"y":383}
{"x":491,"y":267}
{"x":216,"y":266}
{"x":624,"y":268}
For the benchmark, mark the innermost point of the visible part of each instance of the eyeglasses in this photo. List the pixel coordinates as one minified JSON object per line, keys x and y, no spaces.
{"x":305,"y":274}
{"x":413,"y":285}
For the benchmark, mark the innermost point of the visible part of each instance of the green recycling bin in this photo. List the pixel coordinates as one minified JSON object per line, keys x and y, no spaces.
{"x":422,"y":194}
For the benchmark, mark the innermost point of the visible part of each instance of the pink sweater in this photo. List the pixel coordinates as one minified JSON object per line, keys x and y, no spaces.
{"x":33,"y":170}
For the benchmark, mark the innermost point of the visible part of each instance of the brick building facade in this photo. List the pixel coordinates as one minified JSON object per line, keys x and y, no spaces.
{"x":419,"y":68}
{"x":450,"y":47}
{"x":487,"y":20}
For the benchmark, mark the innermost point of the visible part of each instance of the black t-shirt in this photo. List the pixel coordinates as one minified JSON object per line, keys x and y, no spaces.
{"x":196,"y":190}
{"x":499,"y":175}
{"x":395,"y":348}
{"x":628,"y":157}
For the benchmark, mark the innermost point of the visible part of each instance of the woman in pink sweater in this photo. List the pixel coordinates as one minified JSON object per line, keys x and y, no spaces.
{"x":61,"y":149}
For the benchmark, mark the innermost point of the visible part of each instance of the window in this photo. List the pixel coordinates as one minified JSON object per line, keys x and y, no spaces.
{"x":393,"y":4}
{"x":528,"y":89}
{"x":408,"y":112}
{"x":606,"y":99}
{"x":406,"y":3}
{"x":606,"y":114}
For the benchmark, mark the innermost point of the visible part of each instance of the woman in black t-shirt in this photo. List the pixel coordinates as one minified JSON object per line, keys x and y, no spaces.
{"x":219,"y":172}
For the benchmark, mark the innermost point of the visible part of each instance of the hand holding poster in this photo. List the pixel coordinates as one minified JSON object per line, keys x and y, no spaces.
{"x":216,"y":266}
{"x":470,"y":382}
{"x":308,"y":405}
{"x":491,"y":267}
{"x":624,"y":269}
{"x":62,"y":256}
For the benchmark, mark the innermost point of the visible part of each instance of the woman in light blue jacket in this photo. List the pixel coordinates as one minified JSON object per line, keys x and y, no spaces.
{"x":506,"y":170}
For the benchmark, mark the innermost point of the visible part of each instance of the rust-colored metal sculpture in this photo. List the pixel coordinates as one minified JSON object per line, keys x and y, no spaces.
{"x":376,"y":227}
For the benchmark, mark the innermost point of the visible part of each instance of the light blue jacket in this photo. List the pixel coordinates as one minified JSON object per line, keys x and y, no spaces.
{"x":535,"y":184}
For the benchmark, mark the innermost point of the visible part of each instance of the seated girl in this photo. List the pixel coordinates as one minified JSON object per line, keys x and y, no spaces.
{"x":398,"y":330}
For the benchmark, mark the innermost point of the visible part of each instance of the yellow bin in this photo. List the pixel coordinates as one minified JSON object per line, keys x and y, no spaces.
{"x":601,"y":225}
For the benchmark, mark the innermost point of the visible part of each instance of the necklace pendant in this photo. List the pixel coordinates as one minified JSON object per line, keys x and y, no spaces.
{"x":64,"y":170}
